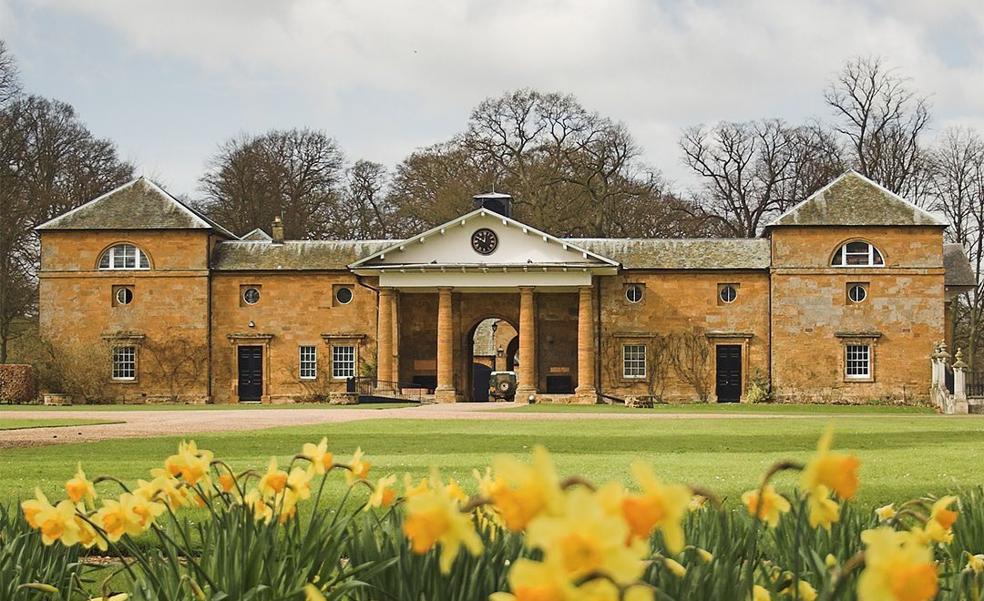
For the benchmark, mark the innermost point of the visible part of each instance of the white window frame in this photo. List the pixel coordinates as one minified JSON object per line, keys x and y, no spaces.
{"x":840,"y":257}
{"x":632,"y":365}
{"x":861,"y":359}
{"x":864,"y":292}
{"x":343,"y":361}
{"x":115,"y":258}
{"x":124,"y":362}
{"x":307,"y":357}
{"x":635,"y":287}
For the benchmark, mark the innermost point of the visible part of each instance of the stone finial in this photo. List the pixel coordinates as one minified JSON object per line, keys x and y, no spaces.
{"x":959,"y":362}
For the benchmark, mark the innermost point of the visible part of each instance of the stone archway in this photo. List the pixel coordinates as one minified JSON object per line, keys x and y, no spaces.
{"x":487,"y":344}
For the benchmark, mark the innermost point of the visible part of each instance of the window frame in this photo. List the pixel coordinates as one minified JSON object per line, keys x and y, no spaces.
{"x":840,"y":256}
{"x":642,"y":293}
{"x":141,"y":260}
{"x":338,"y":290}
{"x":638,"y":363}
{"x":307,"y":362}
{"x":851,"y":286}
{"x":728,"y":286}
{"x":348,"y":362}
{"x":119,"y":364}
{"x":868,"y":361}
{"x":247,"y":288}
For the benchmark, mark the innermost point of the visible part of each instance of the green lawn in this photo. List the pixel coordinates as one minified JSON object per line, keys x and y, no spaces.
{"x":705,"y":408}
{"x":176,"y":407}
{"x":902,"y":455}
{"x":22,"y":424}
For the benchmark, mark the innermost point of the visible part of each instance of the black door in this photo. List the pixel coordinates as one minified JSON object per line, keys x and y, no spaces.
{"x":250,"y":373}
{"x":728,"y":387}
{"x":480,"y":382}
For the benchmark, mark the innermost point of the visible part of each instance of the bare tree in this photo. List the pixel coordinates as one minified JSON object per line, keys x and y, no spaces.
{"x":9,"y":81}
{"x":49,"y":163}
{"x":758,"y":169}
{"x":292,"y":173}
{"x":690,"y":357}
{"x":882,"y":120}
{"x":364,"y":210}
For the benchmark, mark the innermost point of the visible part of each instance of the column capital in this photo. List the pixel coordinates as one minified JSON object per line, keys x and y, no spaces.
{"x":387,"y":290}
{"x":524,"y":289}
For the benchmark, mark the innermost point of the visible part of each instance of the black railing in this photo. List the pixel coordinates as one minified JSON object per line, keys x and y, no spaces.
{"x":975,"y":384}
{"x":369,"y":387}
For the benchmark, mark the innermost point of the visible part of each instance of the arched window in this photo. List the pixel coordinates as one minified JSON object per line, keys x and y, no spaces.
{"x":857,"y":254}
{"x":124,"y":256}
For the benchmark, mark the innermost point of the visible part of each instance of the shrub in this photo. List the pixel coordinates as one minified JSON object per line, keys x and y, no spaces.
{"x":759,"y":389}
{"x":17,"y":384}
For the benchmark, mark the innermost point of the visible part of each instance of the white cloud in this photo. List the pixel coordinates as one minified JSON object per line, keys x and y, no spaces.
{"x":392,"y":75}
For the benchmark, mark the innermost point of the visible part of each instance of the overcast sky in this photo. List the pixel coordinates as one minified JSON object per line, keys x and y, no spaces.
{"x":170,"y":80}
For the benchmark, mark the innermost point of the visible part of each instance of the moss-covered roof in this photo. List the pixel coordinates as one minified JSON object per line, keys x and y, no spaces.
{"x":853,"y":199}
{"x":686,"y":253}
{"x":138,"y":205}
{"x":292,"y":255}
{"x":257,"y":235}
{"x":958,"y":269}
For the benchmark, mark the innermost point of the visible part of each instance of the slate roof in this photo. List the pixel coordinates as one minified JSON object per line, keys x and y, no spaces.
{"x":299,"y":255}
{"x":137,"y":205}
{"x":687,"y":253}
{"x":957,"y":266}
{"x":853,"y":199}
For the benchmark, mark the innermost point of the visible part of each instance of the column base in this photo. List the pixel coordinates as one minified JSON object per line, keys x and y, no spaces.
{"x":586,"y":397}
{"x":445,"y":395}
{"x":385,"y":388}
{"x":523,"y":394}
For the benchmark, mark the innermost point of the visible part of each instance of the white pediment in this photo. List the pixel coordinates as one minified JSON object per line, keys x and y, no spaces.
{"x":450,"y":245}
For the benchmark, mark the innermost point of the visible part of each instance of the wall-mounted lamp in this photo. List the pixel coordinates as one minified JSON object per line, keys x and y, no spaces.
{"x":251,"y":324}
{"x":500,"y":351}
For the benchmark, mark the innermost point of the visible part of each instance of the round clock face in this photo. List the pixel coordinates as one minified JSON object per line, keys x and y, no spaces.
{"x":484,"y":241}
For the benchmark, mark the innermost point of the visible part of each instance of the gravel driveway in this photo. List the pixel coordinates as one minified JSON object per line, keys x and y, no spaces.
{"x":189,"y":421}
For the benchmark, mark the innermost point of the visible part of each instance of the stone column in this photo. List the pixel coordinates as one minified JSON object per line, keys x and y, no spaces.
{"x":445,"y":392}
{"x":384,"y":352}
{"x":526,"y":378}
{"x":960,"y":404}
{"x":585,"y":391}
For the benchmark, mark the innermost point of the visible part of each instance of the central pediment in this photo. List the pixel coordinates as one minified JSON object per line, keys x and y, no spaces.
{"x":483,"y":242}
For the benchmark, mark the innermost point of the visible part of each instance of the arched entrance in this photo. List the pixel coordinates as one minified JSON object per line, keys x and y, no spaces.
{"x":491,"y":344}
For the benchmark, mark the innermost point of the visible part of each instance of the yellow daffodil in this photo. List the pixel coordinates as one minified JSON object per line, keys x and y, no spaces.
{"x":521,"y":492}
{"x":658,"y":507}
{"x":584,"y":540}
{"x":117,"y":597}
{"x":32,"y":507}
{"x":274,"y":481}
{"x":189,"y":463}
{"x":760,"y":593}
{"x":675,"y":567}
{"x":897,"y":568}
{"x":941,"y":520}
{"x":435,"y":517}
{"x":165,"y":488}
{"x":705,"y":555}
{"x":824,"y":511}
{"x":806,"y":591}
{"x":534,"y":581}
{"x":975,"y":563}
{"x":383,"y":494}
{"x":830,"y":561}
{"x":600,"y":589}
{"x":130,"y":514}
{"x":262,"y":511}
{"x":835,"y":471}
{"x":299,"y":482}
{"x":771,"y":507}
{"x":227,"y":482}
{"x":411,"y":490}
{"x":88,"y":536}
{"x":79,"y":487}
{"x":886,"y":512}
{"x":58,"y":523}
{"x":311,"y":593}
{"x":321,"y":458}
{"x":358,"y":468}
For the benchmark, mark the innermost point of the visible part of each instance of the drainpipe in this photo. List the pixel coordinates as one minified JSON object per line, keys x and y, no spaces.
{"x":208,"y":319}
{"x":598,"y":340}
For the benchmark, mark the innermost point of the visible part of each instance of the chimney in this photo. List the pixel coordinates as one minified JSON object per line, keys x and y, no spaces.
{"x":277,"y":230}
{"x":495,"y":202}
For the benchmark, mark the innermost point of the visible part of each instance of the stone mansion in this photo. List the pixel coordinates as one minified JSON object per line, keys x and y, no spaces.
{"x":841,"y":298}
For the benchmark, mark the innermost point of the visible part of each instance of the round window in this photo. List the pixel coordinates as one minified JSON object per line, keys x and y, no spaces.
{"x":343,"y":295}
{"x":633,"y":293}
{"x":857,"y":293}
{"x":124,"y":296}
{"x":728,"y":293}
{"x":251,"y":296}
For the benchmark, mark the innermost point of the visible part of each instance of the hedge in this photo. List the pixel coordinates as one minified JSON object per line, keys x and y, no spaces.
{"x":17,"y":384}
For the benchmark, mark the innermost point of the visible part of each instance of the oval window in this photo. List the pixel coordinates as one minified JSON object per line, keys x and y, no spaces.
{"x":343,"y":295}
{"x":251,"y":296}
{"x":857,"y":293}
{"x":728,"y":293}
{"x":633,"y":293}
{"x":124,"y":296}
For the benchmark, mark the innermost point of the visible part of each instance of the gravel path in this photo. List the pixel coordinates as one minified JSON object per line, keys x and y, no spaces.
{"x":189,"y":421}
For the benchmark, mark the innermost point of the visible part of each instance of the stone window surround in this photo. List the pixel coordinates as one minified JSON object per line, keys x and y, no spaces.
{"x":720,"y":293}
{"x":115,"y":290}
{"x":629,"y":286}
{"x":344,"y":339}
{"x":869,"y":339}
{"x":238,"y":339}
{"x":140,"y":253}
{"x":867,"y":293}
{"x":120,"y":339}
{"x":841,"y":248}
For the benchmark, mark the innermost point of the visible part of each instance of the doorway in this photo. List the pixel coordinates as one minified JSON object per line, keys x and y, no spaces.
{"x":491,"y":346}
{"x":250,"y":373}
{"x":728,"y":370}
